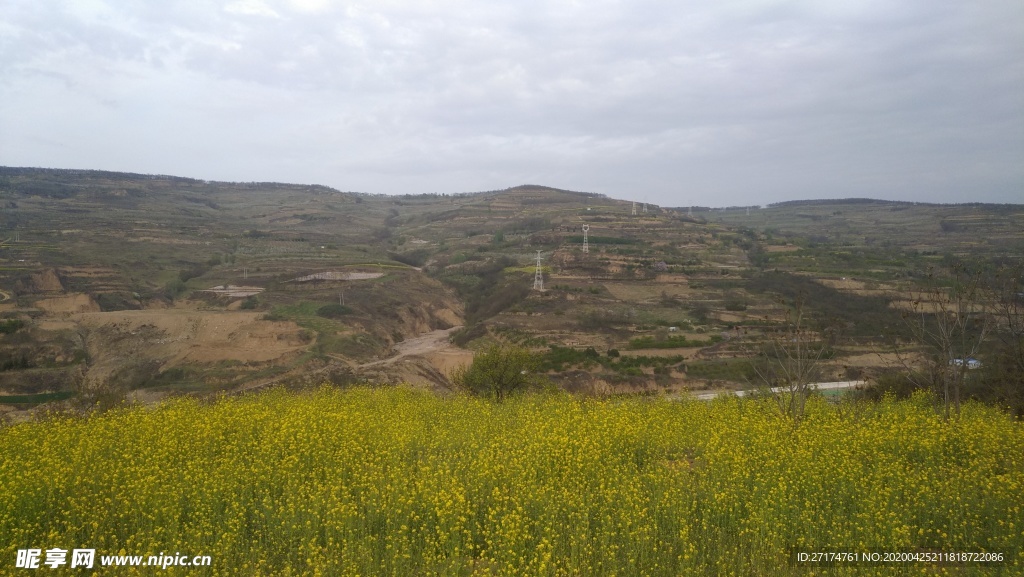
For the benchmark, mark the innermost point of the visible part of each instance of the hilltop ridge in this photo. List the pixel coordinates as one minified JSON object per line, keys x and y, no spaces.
{"x":116,"y":284}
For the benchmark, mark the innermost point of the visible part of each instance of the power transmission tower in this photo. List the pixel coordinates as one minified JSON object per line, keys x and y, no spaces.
{"x":634,"y":208}
{"x":645,"y":208}
{"x":586,"y":243}
{"x":538,"y":277}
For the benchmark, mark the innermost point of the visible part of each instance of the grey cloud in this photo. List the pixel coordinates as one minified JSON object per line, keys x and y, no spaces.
{"x":720,"y":103}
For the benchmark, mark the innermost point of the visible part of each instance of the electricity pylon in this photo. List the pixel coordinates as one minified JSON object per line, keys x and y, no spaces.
{"x":538,"y":277}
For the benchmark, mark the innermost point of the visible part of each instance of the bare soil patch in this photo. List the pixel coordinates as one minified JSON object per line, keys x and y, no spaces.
{"x":643,"y":292}
{"x":842,"y":284}
{"x":178,"y":336}
{"x":235,"y":291}
{"x":660,"y":352}
{"x":70,"y":304}
{"x":335,"y":275}
{"x":425,"y":344}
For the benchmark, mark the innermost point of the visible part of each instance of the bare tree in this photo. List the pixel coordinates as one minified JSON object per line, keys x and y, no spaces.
{"x":792,"y":361}
{"x":949,"y":321}
{"x":1004,"y":367}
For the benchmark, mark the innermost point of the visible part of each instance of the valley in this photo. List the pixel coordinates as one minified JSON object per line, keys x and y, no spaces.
{"x":120,"y":286}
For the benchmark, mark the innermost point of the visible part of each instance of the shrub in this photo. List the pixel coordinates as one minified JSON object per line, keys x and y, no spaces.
{"x":463,"y":336}
{"x":676,"y":342}
{"x":9,"y":326}
{"x":195,"y":271}
{"x":117,"y":301}
{"x":415,"y":258}
{"x":499,"y":371}
{"x":174,"y":288}
{"x":735,"y":305}
{"x":333,"y":311}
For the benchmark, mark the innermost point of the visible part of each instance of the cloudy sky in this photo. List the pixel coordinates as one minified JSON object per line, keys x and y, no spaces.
{"x":676,"y":102}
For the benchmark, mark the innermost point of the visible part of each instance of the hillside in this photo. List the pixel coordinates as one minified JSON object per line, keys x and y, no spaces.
{"x":117,"y":285}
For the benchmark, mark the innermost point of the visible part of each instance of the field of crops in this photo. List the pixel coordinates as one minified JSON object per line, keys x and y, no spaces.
{"x":394,"y":481}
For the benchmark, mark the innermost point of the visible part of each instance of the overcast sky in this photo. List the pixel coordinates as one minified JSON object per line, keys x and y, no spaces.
{"x":674,"y":102}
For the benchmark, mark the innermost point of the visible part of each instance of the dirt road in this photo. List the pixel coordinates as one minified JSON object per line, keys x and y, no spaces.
{"x":840,"y":385}
{"x":423,"y":345}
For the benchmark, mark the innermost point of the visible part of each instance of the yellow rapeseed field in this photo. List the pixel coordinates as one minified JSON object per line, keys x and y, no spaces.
{"x":399,"y":482}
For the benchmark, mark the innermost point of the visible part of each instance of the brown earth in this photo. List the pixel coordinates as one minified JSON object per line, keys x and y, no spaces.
{"x":45,"y":281}
{"x":432,"y":345}
{"x":202,"y":336}
{"x":688,"y":353}
{"x":634,"y":292}
{"x":426,"y":360}
{"x":70,"y":304}
{"x":127,"y":348}
{"x":931,"y":306}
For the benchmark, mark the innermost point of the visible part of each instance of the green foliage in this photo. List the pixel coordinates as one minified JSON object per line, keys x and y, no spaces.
{"x":735,"y":305}
{"x":194,"y":271}
{"x":700,"y":311}
{"x":859,"y":316}
{"x":10,"y":326}
{"x":1000,"y":381}
{"x":12,"y":361}
{"x":558,"y":359}
{"x":677,"y":342}
{"x":520,"y":337}
{"x":35,"y":399}
{"x":735,"y":370}
{"x":529,"y":224}
{"x":250,"y":303}
{"x":896,"y":384}
{"x":417,"y":257}
{"x":117,"y":301}
{"x":758,"y":256}
{"x":603,"y":319}
{"x":498,"y":371}
{"x":492,"y":291}
{"x":465,"y":335}
{"x":333,"y":311}
{"x":174,"y":288}
{"x":646,"y":361}
{"x":592,"y":239}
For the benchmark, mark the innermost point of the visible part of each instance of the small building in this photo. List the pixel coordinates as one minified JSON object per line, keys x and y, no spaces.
{"x":971,"y":363}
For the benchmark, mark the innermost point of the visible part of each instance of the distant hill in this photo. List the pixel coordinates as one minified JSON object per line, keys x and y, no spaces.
{"x":116,"y":284}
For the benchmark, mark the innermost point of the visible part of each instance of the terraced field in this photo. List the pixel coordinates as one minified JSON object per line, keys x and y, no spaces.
{"x":377,"y":271}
